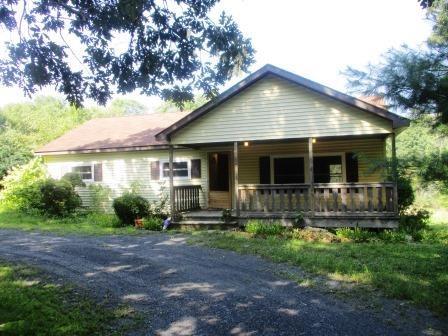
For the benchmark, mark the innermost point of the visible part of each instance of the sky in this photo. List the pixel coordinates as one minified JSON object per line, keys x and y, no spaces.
{"x":314,"y":39}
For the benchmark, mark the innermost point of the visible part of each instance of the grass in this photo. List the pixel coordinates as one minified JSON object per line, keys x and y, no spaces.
{"x":32,"y":304}
{"x":87,"y":224}
{"x":412,"y":271}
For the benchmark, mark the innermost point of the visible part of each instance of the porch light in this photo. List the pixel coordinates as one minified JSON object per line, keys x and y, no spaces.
{"x":314,"y":140}
{"x":246,"y":143}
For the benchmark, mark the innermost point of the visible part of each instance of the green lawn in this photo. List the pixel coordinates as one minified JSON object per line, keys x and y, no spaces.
{"x":89,"y":224}
{"x":411,"y":271}
{"x":32,"y":304}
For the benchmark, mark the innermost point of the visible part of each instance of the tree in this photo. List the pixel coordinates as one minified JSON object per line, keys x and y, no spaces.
{"x":125,"y":107}
{"x":170,"y":49}
{"x":171,"y":106}
{"x":415,"y":80}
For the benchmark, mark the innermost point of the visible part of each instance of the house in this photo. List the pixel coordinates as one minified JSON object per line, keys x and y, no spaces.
{"x":271,"y":146}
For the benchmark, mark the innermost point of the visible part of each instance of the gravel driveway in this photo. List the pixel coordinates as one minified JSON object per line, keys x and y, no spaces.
{"x":190,"y":290}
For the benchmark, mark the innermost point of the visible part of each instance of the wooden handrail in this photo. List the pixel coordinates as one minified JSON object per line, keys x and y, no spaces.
{"x":187,"y":197}
{"x":377,"y":198}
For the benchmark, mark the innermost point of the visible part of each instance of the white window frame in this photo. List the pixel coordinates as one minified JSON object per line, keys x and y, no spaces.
{"x":188,"y":161}
{"x":92,"y":168}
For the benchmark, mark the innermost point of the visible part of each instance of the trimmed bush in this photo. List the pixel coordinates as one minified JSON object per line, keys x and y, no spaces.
{"x":129,"y":207}
{"x":58,"y":198}
{"x":153,"y":223}
{"x":260,"y":227}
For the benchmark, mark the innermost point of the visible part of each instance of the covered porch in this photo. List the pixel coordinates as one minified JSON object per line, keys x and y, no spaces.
{"x":322,"y":179}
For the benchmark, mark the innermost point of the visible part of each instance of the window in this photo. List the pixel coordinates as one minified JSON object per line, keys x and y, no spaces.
{"x":328,"y":169}
{"x":289,"y":170}
{"x":86,"y":172}
{"x":180,"y":169}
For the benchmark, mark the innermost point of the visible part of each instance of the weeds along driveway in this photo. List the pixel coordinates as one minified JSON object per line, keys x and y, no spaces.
{"x":190,"y":290}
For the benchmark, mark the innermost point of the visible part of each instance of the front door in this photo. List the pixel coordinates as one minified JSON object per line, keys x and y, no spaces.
{"x":219,"y":180}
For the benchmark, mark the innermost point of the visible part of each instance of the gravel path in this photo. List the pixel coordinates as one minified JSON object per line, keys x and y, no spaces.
{"x":190,"y":290}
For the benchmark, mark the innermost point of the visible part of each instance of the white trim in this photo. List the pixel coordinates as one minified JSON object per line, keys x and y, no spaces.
{"x":92,"y":168}
{"x":188,"y":161}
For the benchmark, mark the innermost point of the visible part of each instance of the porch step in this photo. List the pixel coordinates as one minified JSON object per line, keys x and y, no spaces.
{"x":204,"y":224}
{"x":203,"y":219}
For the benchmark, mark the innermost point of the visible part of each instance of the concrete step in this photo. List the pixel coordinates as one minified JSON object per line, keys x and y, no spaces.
{"x":209,"y":224}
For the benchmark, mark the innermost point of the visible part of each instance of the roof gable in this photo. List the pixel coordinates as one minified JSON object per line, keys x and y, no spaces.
{"x":397,"y":121}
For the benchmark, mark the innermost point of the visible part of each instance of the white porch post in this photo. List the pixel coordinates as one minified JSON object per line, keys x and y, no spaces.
{"x":171,"y":179}
{"x":311,"y":174}
{"x":235,"y":177}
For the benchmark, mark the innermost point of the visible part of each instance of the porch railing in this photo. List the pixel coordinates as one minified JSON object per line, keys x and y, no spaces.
{"x":328,"y":198}
{"x":187,"y":197}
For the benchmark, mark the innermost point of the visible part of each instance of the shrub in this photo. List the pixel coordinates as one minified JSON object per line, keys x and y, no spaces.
{"x":58,"y":198}
{"x":74,"y":179}
{"x":99,"y":197}
{"x":357,"y":235}
{"x":21,"y":187}
{"x":226,"y":215}
{"x":390,"y":236}
{"x":315,"y":235}
{"x":129,"y":207}
{"x":434,"y":236}
{"x":153,"y":223}
{"x":261,"y":227}
{"x":160,"y":208}
{"x":299,"y":220}
{"x":405,"y":192}
{"x":414,"y":220}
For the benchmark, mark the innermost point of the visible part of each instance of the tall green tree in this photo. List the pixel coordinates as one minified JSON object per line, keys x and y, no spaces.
{"x":412,"y":79}
{"x":91,"y":49}
{"x":171,"y":106}
{"x":26,"y":126}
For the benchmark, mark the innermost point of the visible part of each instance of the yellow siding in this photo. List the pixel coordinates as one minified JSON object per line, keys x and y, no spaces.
{"x":369,"y":152}
{"x":274,"y":108}
{"x":122,"y":169}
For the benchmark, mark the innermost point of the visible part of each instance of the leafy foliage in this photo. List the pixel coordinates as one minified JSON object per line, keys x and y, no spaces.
{"x":414,"y":220}
{"x":21,"y":188}
{"x":99,"y":197}
{"x":409,"y":78}
{"x":166,"y":48}
{"x":422,"y":151}
{"x":26,"y":126}
{"x":172,"y":106}
{"x":58,"y":198}
{"x":129,"y":207}
{"x":74,"y":179}
{"x":153,"y":223}
{"x":260,"y":227}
